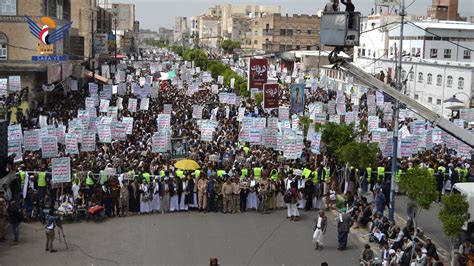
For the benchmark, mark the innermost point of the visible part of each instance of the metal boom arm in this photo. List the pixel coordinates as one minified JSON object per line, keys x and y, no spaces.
{"x":455,"y":131}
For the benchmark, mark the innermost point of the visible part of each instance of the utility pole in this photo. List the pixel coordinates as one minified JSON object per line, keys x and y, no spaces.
{"x":92,"y":45}
{"x":395,"y":115}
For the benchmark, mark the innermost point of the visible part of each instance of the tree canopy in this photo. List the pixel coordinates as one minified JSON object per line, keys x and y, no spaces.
{"x":358,"y":154}
{"x":229,"y":46}
{"x":419,"y":186}
{"x":335,"y":136}
{"x":454,"y":214}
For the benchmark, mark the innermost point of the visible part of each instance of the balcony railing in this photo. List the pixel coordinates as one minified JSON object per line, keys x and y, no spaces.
{"x":267,"y":32}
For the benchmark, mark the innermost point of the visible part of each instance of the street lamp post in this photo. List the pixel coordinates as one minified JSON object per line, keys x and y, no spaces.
{"x":395,"y":117}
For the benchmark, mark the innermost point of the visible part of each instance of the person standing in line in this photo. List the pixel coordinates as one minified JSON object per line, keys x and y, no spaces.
{"x":344,"y":223}
{"x":211,"y":194}
{"x":15,"y":218}
{"x":319,"y":230}
{"x":293,"y":208}
{"x":3,"y":216}
{"x":165,"y":194}
{"x":124,"y":198}
{"x":202,"y":193}
{"x":50,"y":226}
{"x":227,"y":194}
{"x":236,"y":195}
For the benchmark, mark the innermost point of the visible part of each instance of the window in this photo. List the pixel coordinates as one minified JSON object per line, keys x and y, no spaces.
{"x":416,"y":97}
{"x":439,"y":80}
{"x":430,"y":99}
{"x":282,"y":47}
{"x":3,"y":47}
{"x":289,"y":32}
{"x":433,"y":53}
{"x":447,"y":53}
{"x":255,"y":42}
{"x":391,"y":50}
{"x":298,"y":31}
{"x":267,"y":26}
{"x":308,"y":48}
{"x":438,"y":101}
{"x":363,"y":52}
{"x":450,"y":82}
{"x":461,"y":83}
{"x":404,"y":74}
{"x":413,"y":51}
{"x":420,"y":77}
{"x":297,"y":47}
{"x":309,"y":31}
{"x":412,"y":76}
{"x":282,"y":32}
{"x":467,"y":54}
{"x":8,"y":7}
{"x":429,"y":78}
{"x":256,"y":33}
{"x":59,"y":10}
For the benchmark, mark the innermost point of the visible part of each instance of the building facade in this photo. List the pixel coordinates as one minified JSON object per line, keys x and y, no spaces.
{"x":437,"y":59}
{"x":445,"y":10}
{"x":277,"y":33}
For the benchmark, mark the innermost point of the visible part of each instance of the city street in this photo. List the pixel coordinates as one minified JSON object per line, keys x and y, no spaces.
{"x":183,"y":239}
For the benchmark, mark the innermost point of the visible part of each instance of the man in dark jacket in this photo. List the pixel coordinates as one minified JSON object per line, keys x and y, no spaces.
{"x":15,"y":218}
{"x":344,"y":223}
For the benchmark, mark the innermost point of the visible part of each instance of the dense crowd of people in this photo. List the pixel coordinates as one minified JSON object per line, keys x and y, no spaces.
{"x":242,"y":178}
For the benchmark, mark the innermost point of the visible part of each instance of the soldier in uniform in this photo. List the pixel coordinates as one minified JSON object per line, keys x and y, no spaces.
{"x":227,"y":194}
{"x":219,"y":197}
{"x":124,"y":199}
{"x":236,"y":195}
{"x":263,"y":192}
{"x":202,"y":193}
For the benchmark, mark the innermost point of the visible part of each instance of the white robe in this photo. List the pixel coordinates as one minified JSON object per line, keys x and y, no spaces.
{"x":174,"y":204}
{"x":156,"y":202}
{"x":144,"y":205}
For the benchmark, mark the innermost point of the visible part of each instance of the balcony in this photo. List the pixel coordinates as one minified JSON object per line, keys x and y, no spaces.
{"x":267,"y":32}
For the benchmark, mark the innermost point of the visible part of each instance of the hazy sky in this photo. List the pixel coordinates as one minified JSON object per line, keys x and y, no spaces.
{"x":153,"y":14}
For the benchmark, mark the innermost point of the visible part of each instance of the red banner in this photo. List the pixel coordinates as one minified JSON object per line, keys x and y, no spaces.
{"x":257,"y":73}
{"x":270,"y":96}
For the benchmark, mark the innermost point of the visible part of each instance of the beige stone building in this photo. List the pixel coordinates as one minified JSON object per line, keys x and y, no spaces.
{"x":277,"y":33}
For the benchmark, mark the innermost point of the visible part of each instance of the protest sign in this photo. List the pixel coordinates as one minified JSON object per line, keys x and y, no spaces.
{"x":257,"y":73}
{"x":14,"y":147}
{"x":119,"y":131}
{"x":197,"y":111}
{"x":132,"y":105}
{"x":144,"y":104}
{"x":283,"y":113}
{"x":71,"y":143}
{"x":160,"y":141}
{"x":270,"y":96}
{"x":61,"y":170}
{"x":88,"y":141}
{"x":105,"y":133}
{"x":49,"y":147}
{"x":163,"y":121}
{"x":297,"y":98}
{"x":31,"y":140}
{"x":128,"y":123}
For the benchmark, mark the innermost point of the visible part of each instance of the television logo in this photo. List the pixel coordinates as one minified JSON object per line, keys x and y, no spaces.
{"x":47,"y":33}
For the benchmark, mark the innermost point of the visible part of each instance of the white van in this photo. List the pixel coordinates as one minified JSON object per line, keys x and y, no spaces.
{"x":467,"y":189}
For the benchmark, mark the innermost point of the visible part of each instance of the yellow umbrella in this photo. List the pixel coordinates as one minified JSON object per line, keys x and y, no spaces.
{"x":187,"y":165}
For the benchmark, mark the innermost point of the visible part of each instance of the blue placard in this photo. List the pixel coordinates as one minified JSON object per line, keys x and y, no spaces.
{"x":49,"y":58}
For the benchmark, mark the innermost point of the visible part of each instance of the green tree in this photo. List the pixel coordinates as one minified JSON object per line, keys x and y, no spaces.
{"x":336,"y":136}
{"x":259,"y":98}
{"x":453,"y":215}
{"x":420,"y":188}
{"x":228,"y":46}
{"x":305,"y":122}
{"x":358,"y":154}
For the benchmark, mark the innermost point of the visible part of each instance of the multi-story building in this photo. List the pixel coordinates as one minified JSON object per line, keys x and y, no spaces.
{"x":18,"y":45}
{"x":165,"y":34}
{"x":235,"y":18}
{"x":277,"y":33}
{"x":181,"y":30}
{"x":437,"y":59}
{"x":209,"y":31}
{"x":125,"y":15}
{"x":445,"y":10}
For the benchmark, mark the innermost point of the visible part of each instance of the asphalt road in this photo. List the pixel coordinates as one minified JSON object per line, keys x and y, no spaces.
{"x":184,"y":239}
{"x":428,"y":221}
